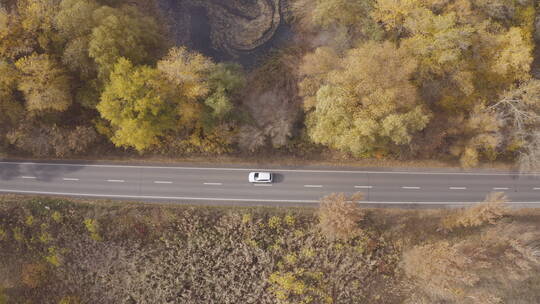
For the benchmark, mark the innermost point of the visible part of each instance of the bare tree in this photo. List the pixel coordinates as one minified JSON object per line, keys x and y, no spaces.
{"x":520,"y":110}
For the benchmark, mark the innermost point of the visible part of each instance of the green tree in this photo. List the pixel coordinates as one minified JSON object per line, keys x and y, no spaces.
{"x":225,"y":81}
{"x":44,"y":83}
{"x":141,"y":105}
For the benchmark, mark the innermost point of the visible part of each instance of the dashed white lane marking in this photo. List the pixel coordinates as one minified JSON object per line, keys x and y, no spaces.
{"x":70,"y":179}
{"x":363,"y":187}
{"x":457,"y":188}
{"x":28,"y":177}
{"x":213,"y":184}
{"x":263,"y":185}
{"x":536,"y":188}
{"x":313,"y":186}
{"x":410,"y":188}
{"x":162,"y":182}
{"x":116,"y":180}
{"x":500,"y":188}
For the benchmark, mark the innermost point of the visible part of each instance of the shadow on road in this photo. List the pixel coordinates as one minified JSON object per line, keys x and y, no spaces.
{"x":40,"y":172}
{"x":278,"y":178}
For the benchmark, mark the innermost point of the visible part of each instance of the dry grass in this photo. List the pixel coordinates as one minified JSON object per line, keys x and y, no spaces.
{"x":487,"y":264}
{"x":183,"y":254}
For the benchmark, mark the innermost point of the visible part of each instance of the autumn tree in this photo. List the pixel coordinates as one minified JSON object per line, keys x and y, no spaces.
{"x":188,"y":71}
{"x":75,"y":22}
{"x":75,"y":18}
{"x":513,"y":57}
{"x":10,"y":108}
{"x":14,"y":41}
{"x":208,"y":91}
{"x":339,"y":215}
{"x":141,"y":105}
{"x":45,"y":83}
{"x":37,"y":20}
{"x":123,"y":33}
{"x":393,"y":13}
{"x":368,"y":102}
{"x":437,"y":41}
{"x":314,"y":69}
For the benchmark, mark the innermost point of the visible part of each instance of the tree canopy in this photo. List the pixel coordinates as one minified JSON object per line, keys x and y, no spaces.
{"x":140,"y":104}
{"x":368,"y":102}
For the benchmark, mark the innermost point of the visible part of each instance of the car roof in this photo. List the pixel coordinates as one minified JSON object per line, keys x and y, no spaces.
{"x":263,"y":175}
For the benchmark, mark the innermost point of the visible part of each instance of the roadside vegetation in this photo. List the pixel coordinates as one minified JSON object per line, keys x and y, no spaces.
{"x":368,"y":79}
{"x":65,"y":251}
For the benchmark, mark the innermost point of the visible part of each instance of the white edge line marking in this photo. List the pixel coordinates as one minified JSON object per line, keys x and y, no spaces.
{"x":363,"y":187}
{"x":229,"y":199}
{"x":116,"y":180}
{"x":501,"y":188}
{"x":213,"y":184}
{"x":313,"y":186}
{"x":162,"y":182}
{"x":274,"y":170}
{"x":70,"y":179}
{"x":410,"y":188}
{"x":28,"y":177}
{"x":457,"y":188}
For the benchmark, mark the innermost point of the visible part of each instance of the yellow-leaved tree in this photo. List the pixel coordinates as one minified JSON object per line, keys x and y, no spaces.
{"x":368,"y":102}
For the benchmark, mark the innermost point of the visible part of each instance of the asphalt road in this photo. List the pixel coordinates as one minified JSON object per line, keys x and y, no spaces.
{"x":214,"y":185}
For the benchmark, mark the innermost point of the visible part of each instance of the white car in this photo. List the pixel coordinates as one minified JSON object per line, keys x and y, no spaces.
{"x":260,"y":177}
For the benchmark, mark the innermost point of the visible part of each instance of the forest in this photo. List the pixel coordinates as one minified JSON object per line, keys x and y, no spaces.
{"x":451,"y":80}
{"x":67,"y":251}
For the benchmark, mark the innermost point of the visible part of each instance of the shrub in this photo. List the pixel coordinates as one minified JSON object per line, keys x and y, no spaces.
{"x":92,"y":227}
{"x":70,"y":300}
{"x":488,"y":212}
{"x":34,"y":274}
{"x":339,"y":216}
